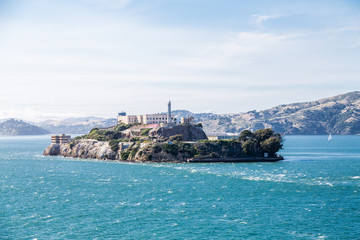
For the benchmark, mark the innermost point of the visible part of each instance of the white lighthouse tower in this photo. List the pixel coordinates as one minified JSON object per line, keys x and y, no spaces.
{"x":169,"y":120}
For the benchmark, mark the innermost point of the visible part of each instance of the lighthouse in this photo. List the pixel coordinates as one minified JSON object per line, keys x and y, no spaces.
{"x":169,"y":120}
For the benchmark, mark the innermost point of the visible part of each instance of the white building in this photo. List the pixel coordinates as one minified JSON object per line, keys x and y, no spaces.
{"x":147,"y":118}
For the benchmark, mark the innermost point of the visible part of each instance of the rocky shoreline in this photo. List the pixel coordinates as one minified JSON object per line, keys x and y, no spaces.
{"x":179,"y":143}
{"x":101,"y":150}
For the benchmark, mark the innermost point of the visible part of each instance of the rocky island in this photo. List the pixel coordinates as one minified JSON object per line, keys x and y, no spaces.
{"x":180,"y":143}
{"x":159,"y":138}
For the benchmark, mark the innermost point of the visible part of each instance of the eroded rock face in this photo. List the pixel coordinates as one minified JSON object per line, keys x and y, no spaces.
{"x":188,"y":132}
{"x":52,"y":150}
{"x":83,"y":149}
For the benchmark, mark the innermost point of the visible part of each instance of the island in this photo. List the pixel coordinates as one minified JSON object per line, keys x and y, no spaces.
{"x":159,"y":138}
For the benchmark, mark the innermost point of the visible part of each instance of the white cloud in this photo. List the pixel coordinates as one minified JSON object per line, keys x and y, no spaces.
{"x":258,"y":20}
{"x":240,"y":50}
{"x":105,"y":63}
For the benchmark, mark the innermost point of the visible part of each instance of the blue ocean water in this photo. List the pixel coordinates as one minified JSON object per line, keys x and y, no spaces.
{"x":313,"y":194}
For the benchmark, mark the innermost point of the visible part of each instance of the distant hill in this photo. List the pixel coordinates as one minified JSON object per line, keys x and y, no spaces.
{"x":76,"y":125}
{"x":336,"y":115}
{"x":14,"y":127}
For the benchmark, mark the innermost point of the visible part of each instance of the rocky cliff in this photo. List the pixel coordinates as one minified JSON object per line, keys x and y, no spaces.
{"x":188,"y":132}
{"x":130,"y":143}
{"x":130,"y":152}
{"x":164,"y":147}
{"x":82,"y":149}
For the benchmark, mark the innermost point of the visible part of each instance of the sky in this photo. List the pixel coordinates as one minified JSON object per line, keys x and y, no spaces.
{"x":73,"y":58}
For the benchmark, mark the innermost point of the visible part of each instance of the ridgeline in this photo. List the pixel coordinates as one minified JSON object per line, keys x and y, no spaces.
{"x":13,"y":127}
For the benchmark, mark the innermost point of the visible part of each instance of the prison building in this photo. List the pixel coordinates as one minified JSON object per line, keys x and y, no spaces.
{"x":60,"y":138}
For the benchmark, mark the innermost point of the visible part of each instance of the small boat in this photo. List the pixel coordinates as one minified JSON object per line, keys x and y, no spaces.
{"x":330,"y":137}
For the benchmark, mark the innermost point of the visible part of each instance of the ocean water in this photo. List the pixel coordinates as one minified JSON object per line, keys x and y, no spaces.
{"x":313,"y":194}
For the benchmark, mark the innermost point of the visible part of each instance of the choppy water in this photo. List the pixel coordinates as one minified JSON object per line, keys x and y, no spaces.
{"x":313,"y":194}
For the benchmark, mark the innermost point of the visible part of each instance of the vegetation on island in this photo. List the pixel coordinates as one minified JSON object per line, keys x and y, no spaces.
{"x":136,"y":142}
{"x":115,"y":133}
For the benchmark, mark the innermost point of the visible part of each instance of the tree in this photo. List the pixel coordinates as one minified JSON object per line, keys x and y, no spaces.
{"x":245,"y":135}
{"x":250,"y":146}
{"x":263,"y":134}
{"x":272,"y":145}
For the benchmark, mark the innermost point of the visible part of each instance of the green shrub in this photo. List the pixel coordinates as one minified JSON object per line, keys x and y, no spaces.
{"x":120,"y":127}
{"x":171,"y":148}
{"x":177,"y":137}
{"x":108,"y":133}
{"x":145,"y":131}
{"x":114,"y":145}
{"x":124,"y":155}
{"x":187,"y":148}
{"x":157,"y":148}
{"x":202,"y":140}
{"x":134,"y":139}
{"x":100,"y":138}
{"x":134,"y":151}
{"x":93,"y":130}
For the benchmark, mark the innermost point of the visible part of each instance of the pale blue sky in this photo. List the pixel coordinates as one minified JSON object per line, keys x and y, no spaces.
{"x":98,"y":57}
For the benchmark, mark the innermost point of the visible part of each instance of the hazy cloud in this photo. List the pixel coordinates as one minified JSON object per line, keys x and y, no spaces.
{"x":29,"y":114}
{"x":104,"y":62}
{"x":258,"y":20}
{"x":240,"y":49}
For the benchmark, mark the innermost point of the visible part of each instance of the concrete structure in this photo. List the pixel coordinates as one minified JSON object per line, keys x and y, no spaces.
{"x":187,"y":120}
{"x":222,"y":137}
{"x":145,"y":119}
{"x":148,"y":118}
{"x":60,"y":138}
